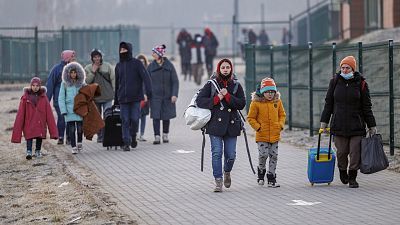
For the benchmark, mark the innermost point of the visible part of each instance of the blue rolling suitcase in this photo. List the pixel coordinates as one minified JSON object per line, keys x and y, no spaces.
{"x":321,"y":163}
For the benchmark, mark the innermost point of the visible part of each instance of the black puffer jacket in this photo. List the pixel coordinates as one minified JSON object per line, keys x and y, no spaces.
{"x":350,"y":106}
{"x":224,"y":121}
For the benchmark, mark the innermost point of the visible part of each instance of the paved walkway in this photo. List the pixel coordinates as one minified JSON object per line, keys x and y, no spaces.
{"x":163,"y":184}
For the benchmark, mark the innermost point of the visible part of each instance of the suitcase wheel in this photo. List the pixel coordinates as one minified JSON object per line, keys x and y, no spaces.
{"x":312,"y":184}
{"x":329,"y":183}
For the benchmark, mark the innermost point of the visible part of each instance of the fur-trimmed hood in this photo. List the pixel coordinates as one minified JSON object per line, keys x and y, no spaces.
{"x":42,"y":90}
{"x":81,"y":75}
{"x":260,"y":98}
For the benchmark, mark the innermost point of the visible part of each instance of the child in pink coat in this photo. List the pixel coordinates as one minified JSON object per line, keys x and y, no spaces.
{"x":33,"y":118}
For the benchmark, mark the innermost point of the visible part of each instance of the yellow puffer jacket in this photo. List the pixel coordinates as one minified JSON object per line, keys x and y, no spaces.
{"x":267,"y":118}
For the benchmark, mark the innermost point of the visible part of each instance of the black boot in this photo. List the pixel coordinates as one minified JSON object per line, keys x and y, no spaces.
{"x":352,"y":179}
{"x":261,"y":175}
{"x":344,"y":177}
{"x":272,"y":180}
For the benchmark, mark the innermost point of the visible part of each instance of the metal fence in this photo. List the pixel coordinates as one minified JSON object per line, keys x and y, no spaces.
{"x":28,"y":51}
{"x":302,"y":74}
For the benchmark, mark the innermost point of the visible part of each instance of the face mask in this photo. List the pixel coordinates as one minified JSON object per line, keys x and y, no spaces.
{"x":347,"y":75}
{"x":124,"y":55}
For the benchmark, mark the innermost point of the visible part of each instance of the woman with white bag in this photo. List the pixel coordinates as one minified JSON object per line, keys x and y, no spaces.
{"x":225,"y":123}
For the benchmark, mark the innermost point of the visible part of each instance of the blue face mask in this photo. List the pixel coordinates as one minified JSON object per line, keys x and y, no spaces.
{"x":347,"y":75}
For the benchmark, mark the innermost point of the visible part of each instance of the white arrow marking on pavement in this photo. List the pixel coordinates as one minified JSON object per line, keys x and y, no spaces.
{"x":301,"y":202}
{"x":181,"y":151}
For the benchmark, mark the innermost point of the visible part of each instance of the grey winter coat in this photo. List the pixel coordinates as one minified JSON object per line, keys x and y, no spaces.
{"x":165,"y":84}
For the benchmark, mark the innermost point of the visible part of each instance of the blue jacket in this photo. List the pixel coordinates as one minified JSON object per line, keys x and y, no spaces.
{"x":130,"y":75}
{"x":54,"y":82}
{"x":68,"y":91}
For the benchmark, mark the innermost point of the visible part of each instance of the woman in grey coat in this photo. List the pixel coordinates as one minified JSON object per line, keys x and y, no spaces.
{"x":165,"y":87}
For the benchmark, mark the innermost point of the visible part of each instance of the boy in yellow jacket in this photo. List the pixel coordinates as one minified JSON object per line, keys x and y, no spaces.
{"x":267,"y":117}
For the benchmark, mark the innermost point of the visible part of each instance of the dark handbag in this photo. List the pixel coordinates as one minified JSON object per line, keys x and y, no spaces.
{"x":373,"y":158}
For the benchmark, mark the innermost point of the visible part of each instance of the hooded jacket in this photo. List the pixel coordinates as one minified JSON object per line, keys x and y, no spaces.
{"x":350,"y":107}
{"x":267,"y":118}
{"x":69,"y":89}
{"x":85,"y":107}
{"x":130,"y":75}
{"x":33,"y":120}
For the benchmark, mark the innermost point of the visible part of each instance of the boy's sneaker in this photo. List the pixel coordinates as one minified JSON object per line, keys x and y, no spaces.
{"x":28,"y":155}
{"x":74,"y":150}
{"x":272,"y":181}
{"x":79,"y":146}
{"x":38,"y":154}
{"x":60,"y":141}
{"x":141,"y":138}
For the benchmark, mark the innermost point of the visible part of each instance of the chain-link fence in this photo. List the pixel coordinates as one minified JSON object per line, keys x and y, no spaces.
{"x":26,"y":52}
{"x":302,"y":74}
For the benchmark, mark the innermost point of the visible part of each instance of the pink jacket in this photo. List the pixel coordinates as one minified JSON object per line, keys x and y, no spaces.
{"x":33,"y":120}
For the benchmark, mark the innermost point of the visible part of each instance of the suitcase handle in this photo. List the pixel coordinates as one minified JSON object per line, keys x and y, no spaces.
{"x":319,"y":145}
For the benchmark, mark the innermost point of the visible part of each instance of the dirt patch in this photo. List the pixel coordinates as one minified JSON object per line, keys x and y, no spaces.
{"x":54,"y":189}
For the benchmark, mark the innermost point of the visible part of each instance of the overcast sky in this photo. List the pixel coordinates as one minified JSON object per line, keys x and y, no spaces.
{"x":51,"y":14}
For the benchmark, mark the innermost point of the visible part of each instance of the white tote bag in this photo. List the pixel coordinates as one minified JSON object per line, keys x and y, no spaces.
{"x":197,"y":117}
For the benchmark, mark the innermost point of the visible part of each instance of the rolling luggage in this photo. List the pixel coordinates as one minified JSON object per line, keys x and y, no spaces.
{"x":321,"y":163}
{"x":113,"y":128}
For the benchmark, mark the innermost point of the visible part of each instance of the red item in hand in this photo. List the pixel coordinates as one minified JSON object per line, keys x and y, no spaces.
{"x":142,"y":104}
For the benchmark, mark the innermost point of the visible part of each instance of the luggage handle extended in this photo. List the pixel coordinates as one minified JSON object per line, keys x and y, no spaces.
{"x":329,"y":147}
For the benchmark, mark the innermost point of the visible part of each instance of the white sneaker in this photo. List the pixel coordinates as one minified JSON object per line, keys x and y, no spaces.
{"x":79,"y":147}
{"x":74,"y":150}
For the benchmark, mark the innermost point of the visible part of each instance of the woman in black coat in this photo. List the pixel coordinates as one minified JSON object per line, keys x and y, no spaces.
{"x":349,"y":103}
{"x":225,"y":123}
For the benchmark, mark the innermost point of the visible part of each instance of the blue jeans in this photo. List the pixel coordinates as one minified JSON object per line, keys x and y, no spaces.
{"x":130,"y":113}
{"x":156,"y":126}
{"x":29,"y":144}
{"x":101,"y":107}
{"x":142,"y":124}
{"x":72,"y":127}
{"x":228,"y":145}
{"x":60,"y":123}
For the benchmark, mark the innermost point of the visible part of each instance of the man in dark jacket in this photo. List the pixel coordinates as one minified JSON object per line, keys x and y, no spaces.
{"x":130,"y":75}
{"x":53,"y":88}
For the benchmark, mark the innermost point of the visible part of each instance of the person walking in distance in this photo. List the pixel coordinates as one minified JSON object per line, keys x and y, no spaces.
{"x":165,"y":92}
{"x":225,"y":123}
{"x":53,"y":88}
{"x":184,"y":42}
{"x":210,"y":43}
{"x":131,"y":78}
{"x":102,"y":73}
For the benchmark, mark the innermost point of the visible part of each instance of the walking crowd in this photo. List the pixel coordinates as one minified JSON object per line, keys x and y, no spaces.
{"x":83,"y":97}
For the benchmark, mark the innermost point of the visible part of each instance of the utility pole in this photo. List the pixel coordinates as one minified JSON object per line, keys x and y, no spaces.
{"x":262,"y":16}
{"x":235,"y":27}
{"x":308,"y":22}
